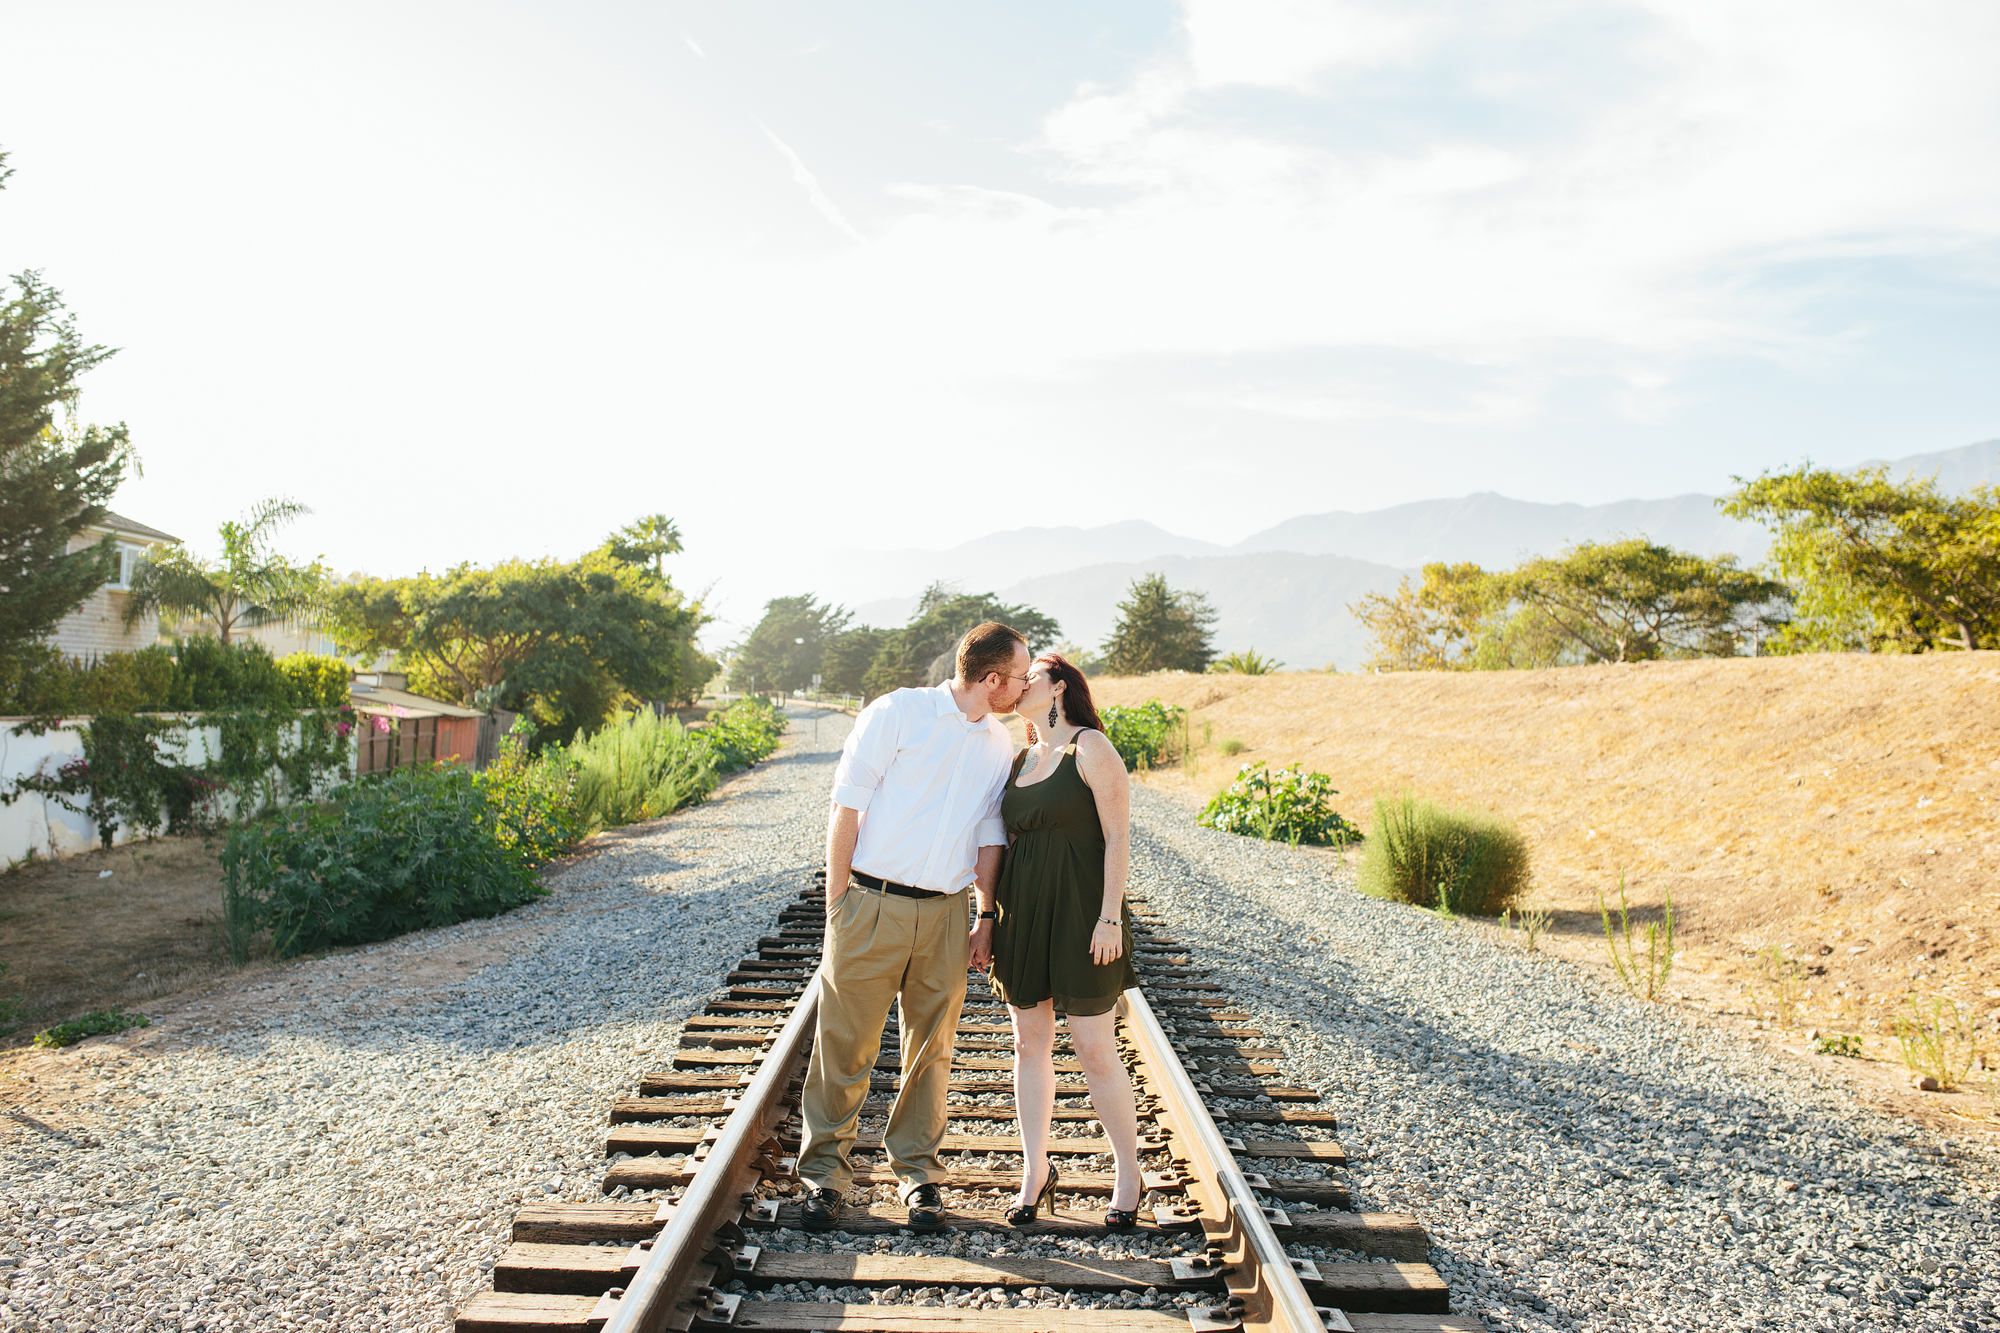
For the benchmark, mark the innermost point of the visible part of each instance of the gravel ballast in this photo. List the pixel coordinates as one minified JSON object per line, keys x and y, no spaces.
{"x":350,"y":1156}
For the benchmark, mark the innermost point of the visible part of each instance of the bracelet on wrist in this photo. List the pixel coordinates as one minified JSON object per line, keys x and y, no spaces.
{"x":986,"y":916}
{"x":1110,"y":921}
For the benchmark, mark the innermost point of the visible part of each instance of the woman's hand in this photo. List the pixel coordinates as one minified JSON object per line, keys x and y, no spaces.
{"x":1107,"y":942}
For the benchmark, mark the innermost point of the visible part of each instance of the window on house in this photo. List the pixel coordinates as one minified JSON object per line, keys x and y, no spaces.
{"x":127,"y":565}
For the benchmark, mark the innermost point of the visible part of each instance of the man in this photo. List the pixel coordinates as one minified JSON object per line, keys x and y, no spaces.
{"x":915,"y":830}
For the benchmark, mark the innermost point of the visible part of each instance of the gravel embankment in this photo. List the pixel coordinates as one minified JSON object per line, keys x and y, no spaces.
{"x":355,"y":1164}
{"x":1582,"y":1161}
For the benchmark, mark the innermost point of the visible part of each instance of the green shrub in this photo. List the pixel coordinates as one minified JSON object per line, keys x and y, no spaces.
{"x":533,"y":797}
{"x":1449,"y":860}
{"x":748,"y":730}
{"x":394,"y":852}
{"x":640,"y":766}
{"x":1142,"y":733}
{"x":1232,"y":746}
{"x":238,"y":674}
{"x":1286,"y":806}
{"x":312,"y":681}
{"x":196,"y":673}
{"x":90,"y":1025}
{"x":1244,"y":664}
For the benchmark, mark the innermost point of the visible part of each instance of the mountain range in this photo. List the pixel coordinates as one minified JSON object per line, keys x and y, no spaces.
{"x":1286,"y":590}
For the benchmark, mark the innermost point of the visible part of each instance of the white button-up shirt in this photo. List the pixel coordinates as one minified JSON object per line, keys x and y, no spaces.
{"x":927,"y":783}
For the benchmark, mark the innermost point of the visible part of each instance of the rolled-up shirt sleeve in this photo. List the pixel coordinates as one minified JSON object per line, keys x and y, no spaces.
{"x":870,"y":748}
{"x":992,"y":828}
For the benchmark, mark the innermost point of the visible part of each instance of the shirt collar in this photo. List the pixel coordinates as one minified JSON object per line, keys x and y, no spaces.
{"x":948,"y":707}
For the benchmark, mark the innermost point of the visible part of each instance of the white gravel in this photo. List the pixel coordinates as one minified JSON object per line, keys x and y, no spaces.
{"x":1582,"y":1161}
{"x":352,"y":1166}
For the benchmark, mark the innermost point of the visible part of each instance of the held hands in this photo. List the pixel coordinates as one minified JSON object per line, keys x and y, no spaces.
{"x":981,"y":936}
{"x":1107,"y":942}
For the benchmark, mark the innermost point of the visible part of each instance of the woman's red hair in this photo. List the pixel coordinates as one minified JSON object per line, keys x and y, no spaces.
{"x":1076,"y":702}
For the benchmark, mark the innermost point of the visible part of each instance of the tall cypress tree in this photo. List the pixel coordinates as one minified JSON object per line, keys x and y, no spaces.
{"x":1161,"y":630}
{"x":54,"y":477}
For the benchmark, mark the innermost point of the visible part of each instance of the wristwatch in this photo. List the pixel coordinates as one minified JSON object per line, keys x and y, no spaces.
{"x":986,"y":916}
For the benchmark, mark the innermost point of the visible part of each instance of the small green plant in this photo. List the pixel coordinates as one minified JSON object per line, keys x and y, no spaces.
{"x":1839,"y":1043}
{"x":90,"y":1025}
{"x":1144,"y":734}
{"x":1231,"y":746}
{"x":743,"y":733}
{"x":1937,"y":1041}
{"x":1450,"y":861}
{"x":1645,"y":977}
{"x":1246,"y":663}
{"x":1289,"y":805}
{"x":533,"y":796}
{"x":1787,"y":978}
{"x":1531,"y":922}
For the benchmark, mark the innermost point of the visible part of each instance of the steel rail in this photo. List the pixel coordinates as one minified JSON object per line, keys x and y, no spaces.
{"x":719,"y":1192}
{"x":1272,"y":1295}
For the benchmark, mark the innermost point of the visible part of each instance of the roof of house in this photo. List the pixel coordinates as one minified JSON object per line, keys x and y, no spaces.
{"x":125,"y":527}
{"x":381,"y":699}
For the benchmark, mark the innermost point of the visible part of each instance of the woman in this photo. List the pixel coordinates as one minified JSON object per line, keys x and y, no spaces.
{"x":1064,"y":938}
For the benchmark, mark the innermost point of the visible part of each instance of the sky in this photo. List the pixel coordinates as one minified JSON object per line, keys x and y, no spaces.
{"x":486,"y":280}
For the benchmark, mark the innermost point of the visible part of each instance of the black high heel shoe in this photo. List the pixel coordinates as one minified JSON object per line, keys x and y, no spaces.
{"x":1021,"y":1214}
{"x":1121,"y":1219}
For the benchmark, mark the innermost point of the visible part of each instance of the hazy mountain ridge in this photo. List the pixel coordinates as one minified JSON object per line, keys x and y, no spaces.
{"x":1286,"y":590}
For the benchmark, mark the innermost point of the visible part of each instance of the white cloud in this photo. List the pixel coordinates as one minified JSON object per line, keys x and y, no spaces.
{"x":810,"y":184}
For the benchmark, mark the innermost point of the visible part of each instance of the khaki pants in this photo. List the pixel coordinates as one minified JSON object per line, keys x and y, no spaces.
{"x":879,"y":947}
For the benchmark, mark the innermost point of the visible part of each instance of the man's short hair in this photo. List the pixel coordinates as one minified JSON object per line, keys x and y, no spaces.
{"x":988,"y":647}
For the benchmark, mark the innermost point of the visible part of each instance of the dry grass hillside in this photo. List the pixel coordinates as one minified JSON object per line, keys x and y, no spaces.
{"x":1845,"y":809}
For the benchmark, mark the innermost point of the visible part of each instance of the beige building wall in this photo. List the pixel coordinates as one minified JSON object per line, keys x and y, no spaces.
{"x":98,"y":626}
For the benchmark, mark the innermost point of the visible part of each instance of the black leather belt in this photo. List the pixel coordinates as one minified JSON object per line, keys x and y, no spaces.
{"x":868,"y":881}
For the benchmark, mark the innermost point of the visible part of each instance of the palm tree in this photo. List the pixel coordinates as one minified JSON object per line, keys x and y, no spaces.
{"x":251,"y":584}
{"x":652,"y":539}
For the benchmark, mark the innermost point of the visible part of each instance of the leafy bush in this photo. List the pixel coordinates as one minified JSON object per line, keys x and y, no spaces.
{"x":395,"y":852}
{"x":1839,"y":1043}
{"x":1448,"y":860}
{"x":533,"y":797}
{"x":746,"y":731}
{"x":640,"y":766}
{"x":1286,"y":806}
{"x":90,"y":1025}
{"x":1232,"y":746}
{"x":312,"y":681}
{"x":1142,"y":733}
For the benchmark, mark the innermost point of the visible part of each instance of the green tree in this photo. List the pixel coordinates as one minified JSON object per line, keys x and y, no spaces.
{"x":943,"y":615}
{"x":646,"y":543}
{"x":565,"y":642}
{"x":1435,"y":626}
{"x":251,"y":584}
{"x":788,"y":646}
{"x":848,"y":655}
{"x":1879,"y":564}
{"x":55,"y":478}
{"x":1160,"y":630}
{"x":1633,"y":600}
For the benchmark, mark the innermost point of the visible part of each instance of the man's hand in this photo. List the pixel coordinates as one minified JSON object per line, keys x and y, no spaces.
{"x":982,"y":945}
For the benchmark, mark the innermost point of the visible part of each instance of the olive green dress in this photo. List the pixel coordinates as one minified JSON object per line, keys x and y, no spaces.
{"x":1051,"y":890}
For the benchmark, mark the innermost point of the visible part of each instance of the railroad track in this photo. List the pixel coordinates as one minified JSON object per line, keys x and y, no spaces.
{"x":1221,"y":1147}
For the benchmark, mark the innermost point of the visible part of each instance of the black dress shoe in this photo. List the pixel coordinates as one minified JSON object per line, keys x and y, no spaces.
{"x":926,"y":1208}
{"x":821,"y":1210}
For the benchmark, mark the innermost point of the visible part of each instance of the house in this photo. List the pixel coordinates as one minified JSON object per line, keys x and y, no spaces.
{"x":98,"y":626}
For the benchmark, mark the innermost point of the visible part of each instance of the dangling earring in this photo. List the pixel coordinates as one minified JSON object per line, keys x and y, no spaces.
{"x":1052,"y":715}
